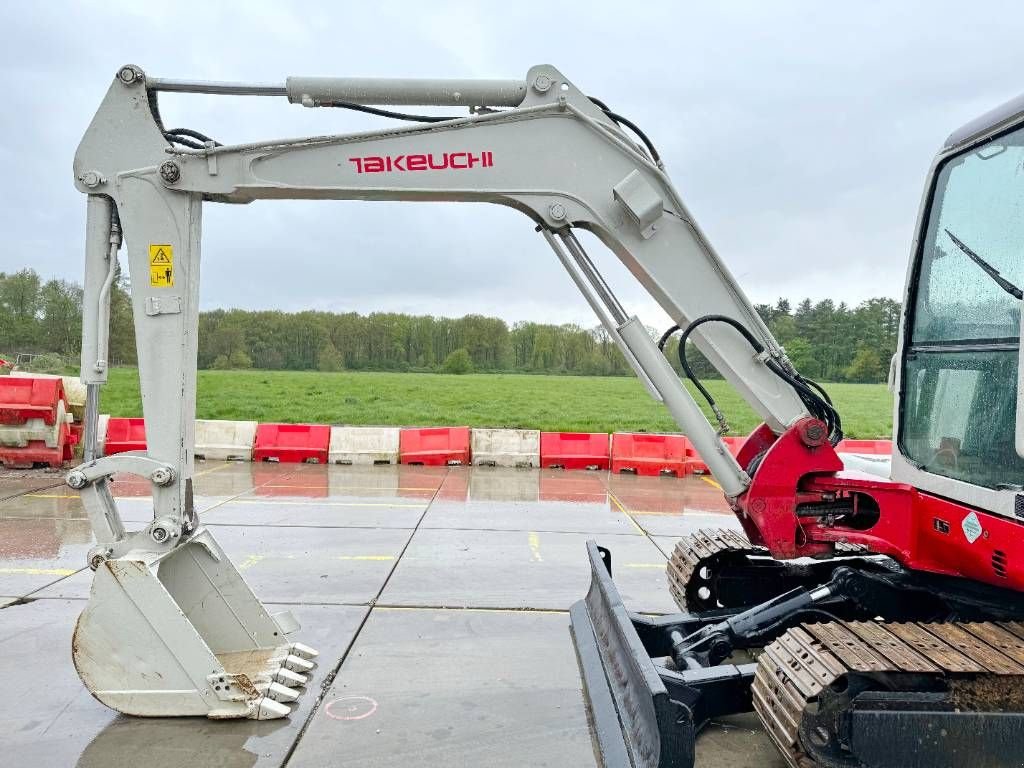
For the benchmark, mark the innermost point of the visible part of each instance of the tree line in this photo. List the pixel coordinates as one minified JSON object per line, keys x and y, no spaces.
{"x":825,"y":340}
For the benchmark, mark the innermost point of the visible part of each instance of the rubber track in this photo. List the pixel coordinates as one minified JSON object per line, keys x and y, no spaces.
{"x":793,"y":670}
{"x":701,"y":549}
{"x":706,"y":547}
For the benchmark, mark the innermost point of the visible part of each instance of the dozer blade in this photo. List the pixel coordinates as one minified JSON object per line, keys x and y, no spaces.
{"x":181,"y":633}
{"x":644,"y":715}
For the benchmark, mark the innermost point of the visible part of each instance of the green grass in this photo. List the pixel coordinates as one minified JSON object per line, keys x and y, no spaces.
{"x":555,"y":403}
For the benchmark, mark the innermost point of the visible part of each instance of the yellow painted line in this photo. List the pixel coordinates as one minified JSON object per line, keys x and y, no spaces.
{"x":215,"y":469}
{"x":51,"y":495}
{"x":39,"y":571}
{"x":250,"y":561}
{"x":710,"y":481}
{"x":279,"y":502}
{"x":623,"y":510}
{"x":534,"y":540}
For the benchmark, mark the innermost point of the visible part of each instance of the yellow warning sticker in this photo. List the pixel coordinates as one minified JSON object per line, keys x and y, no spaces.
{"x":161,"y":265}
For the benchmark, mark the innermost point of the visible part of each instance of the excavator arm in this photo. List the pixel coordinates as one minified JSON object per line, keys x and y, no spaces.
{"x":171,"y":628}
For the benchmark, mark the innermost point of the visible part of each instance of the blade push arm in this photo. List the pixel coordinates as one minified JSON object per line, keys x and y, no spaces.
{"x":555,"y":156}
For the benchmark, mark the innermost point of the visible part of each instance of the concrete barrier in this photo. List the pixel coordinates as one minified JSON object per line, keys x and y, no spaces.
{"x":505,"y":447}
{"x":74,"y":390}
{"x":363,"y":445}
{"x":224,"y":440}
{"x":37,"y":431}
{"x":101,"y":434}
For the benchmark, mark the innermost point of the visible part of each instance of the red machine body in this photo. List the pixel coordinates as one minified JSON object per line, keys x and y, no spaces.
{"x":799,"y":476}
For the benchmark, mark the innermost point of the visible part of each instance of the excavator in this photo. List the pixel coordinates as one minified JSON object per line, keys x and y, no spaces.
{"x":871,"y":614}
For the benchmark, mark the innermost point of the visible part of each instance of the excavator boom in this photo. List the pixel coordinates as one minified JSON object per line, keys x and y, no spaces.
{"x":569,"y":163}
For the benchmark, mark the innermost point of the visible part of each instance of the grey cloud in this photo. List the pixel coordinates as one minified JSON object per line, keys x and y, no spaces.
{"x":798,"y":133}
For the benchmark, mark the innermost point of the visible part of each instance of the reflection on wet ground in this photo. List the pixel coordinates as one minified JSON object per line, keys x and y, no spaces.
{"x":412,"y":582}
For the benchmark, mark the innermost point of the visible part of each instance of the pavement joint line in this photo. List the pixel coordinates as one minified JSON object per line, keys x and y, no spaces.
{"x":32,"y":490}
{"x":282,"y":502}
{"x":625,"y":511}
{"x":214,"y":469}
{"x":473,"y":608}
{"x":330,"y":677}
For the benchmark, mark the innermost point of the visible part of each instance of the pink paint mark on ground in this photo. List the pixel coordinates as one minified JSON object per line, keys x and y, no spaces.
{"x":351,"y":708}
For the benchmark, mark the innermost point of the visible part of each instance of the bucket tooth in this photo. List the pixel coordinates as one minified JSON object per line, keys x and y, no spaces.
{"x":281,"y":693}
{"x":289,"y":678}
{"x":295,"y":664}
{"x":303,"y":651}
{"x":269,"y":709}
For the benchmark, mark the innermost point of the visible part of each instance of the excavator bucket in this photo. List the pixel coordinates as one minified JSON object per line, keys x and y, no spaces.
{"x":181,"y":633}
{"x":644,"y":714}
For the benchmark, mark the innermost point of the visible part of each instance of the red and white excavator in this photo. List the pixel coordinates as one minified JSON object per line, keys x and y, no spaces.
{"x":870,"y":612}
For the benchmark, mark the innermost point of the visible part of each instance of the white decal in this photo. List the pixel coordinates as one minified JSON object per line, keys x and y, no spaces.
{"x":972,"y":527}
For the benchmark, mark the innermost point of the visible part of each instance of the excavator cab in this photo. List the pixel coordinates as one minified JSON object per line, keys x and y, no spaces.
{"x":959,"y":436}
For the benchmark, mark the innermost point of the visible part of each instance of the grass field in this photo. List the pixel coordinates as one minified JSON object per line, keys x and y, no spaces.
{"x":555,"y":403}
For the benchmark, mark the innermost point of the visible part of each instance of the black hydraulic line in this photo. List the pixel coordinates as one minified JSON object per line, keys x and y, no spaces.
{"x":819,"y":406}
{"x":665,"y":337}
{"x":630,"y":125}
{"x":636,"y":129}
{"x":192,"y":134}
{"x":388,"y":113}
{"x":173,"y":139}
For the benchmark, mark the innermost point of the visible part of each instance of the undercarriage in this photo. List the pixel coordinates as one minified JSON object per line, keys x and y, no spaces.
{"x":848,"y":661}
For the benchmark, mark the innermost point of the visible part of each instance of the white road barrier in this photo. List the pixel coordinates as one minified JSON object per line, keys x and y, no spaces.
{"x":505,"y":447}
{"x":224,"y":440}
{"x":363,"y":445}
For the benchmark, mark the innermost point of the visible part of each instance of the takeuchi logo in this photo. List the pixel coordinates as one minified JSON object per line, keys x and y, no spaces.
{"x":446,"y":161}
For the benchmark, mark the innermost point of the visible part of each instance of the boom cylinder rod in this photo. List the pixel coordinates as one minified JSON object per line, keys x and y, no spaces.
{"x":323,"y":91}
{"x":601,"y":310}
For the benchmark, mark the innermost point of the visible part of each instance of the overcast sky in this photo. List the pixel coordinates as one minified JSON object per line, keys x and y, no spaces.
{"x":798,"y":133}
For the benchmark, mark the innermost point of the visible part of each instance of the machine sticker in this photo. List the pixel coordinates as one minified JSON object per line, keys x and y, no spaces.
{"x":972,"y":527}
{"x":161,"y":265}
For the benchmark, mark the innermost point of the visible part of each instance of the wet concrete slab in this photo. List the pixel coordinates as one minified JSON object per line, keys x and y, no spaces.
{"x":500,"y":689}
{"x":449,"y":687}
{"x":293,"y":565}
{"x":552,"y":516}
{"x":59,"y":724}
{"x":522,"y":569}
{"x":35,"y":552}
{"x":335,"y":511}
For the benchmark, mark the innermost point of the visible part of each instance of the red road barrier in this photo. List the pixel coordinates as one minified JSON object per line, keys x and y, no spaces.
{"x":292,"y":443}
{"x":24,"y":397}
{"x":644,"y":454}
{"x":125,"y":435}
{"x":871,"y":447}
{"x":34,"y":453}
{"x":695,"y":464}
{"x":574,"y":450}
{"x":435,"y":446}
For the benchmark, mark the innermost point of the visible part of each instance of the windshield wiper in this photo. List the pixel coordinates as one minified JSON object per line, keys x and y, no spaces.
{"x":991,"y":271}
